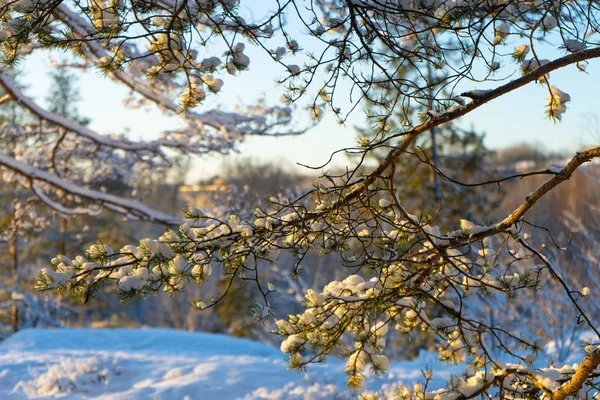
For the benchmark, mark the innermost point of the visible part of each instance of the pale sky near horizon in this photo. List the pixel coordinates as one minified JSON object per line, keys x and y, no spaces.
{"x":514,"y":118}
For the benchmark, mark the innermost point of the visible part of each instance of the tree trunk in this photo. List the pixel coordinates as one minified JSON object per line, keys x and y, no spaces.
{"x":63,"y":236}
{"x":14,"y":269}
{"x":435,"y":176}
{"x":435,"y":179}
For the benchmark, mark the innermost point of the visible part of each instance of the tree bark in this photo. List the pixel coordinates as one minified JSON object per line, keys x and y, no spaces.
{"x":589,"y":364}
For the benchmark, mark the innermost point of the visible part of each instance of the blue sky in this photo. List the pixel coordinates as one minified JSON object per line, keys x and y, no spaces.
{"x":515,"y":118}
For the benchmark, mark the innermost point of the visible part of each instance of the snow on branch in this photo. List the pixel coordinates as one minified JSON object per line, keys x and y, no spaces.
{"x":582,"y":373}
{"x":410,"y":135}
{"x":133,"y":208}
{"x":63,"y":210}
{"x":258,"y":120}
{"x":68,"y":124}
{"x":507,"y":224}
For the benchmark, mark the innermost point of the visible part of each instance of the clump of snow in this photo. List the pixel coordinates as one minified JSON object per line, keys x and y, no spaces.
{"x":557,"y":102}
{"x":69,"y":375}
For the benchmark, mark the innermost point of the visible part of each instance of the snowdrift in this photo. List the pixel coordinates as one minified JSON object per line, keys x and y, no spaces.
{"x":132,"y":364}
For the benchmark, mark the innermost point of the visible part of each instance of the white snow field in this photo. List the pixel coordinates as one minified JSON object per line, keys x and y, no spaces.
{"x":130,"y":364}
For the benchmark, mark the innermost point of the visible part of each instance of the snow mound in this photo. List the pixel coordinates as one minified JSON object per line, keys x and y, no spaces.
{"x":69,"y":375}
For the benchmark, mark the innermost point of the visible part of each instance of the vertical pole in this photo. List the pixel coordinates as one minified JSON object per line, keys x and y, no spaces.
{"x":14,"y":257}
{"x":63,"y":236}
{"x":63,"y":250}
{"x":434,"y":159}
{"x":435,"y":179}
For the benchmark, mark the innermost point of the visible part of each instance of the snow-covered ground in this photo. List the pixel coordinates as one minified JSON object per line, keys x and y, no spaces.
{"x":169,"y":364}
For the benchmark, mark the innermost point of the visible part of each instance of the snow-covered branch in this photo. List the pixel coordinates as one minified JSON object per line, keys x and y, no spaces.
{"x":409,"y":136}
{"x":228,"y":124}
{"x":509,"y":223}
{"x":72,"y":126}
{"x":581,"y":375}
{"x":134,"y":209}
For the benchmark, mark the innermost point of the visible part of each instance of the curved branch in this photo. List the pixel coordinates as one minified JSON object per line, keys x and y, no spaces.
{"x":564,"y":174}
{"x":59,"y":207}
{"x":478,"y":100}
{"x":588,"y":365}
{"x":216,"y":119}
{"x":132,"y":208}
{"x":72,"y":126}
